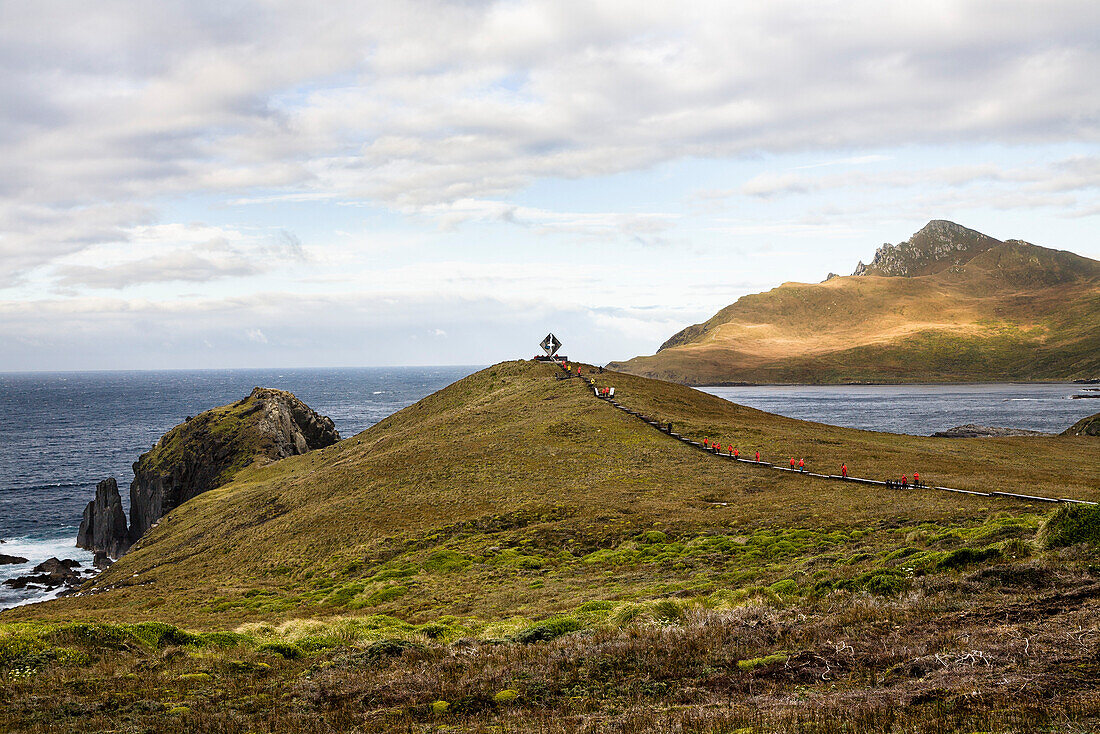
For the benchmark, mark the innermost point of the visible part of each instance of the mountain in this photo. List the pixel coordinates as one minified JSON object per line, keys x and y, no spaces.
{"x":949,"y":304}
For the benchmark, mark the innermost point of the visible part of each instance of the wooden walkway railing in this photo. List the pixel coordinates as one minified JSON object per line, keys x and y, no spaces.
{"x":859,"y":480}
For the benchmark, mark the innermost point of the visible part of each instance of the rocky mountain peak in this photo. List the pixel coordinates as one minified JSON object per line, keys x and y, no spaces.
{"x":938,"y":246}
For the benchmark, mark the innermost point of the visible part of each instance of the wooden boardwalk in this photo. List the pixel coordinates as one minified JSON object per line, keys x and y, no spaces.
{"x":836,"y":477}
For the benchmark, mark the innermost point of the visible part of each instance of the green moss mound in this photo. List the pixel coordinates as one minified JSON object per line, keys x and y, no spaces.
{"x":1071,"y":525}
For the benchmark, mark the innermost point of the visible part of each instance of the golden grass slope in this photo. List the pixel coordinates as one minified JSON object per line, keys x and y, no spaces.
{"x":1014,"y":312}
{"x":513,"y":492}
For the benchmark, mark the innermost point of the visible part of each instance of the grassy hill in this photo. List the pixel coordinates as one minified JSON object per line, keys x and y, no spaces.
{"x":948,"y":305}
{"x":501,"y":495}
{"x":510,"y":550}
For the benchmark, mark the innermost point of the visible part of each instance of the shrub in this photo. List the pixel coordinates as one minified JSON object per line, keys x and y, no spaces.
{"x":386,"y":594}
{"x":440,"y":707}
{"x":786,"y":587}
{"x":224,"y":639}
{"x":651,"y":536}
{"x":548,"y":630}
{"x":966,"y":556}
{"x":283,"y":649}
{"x":667,"y":611}
{"x":882,"y":581}
{"x":445,"y":561}
{"x":751,"y":664}
{"x":1072,"y":524}
{"x":505,"y":697}
{"x":196,"y":678}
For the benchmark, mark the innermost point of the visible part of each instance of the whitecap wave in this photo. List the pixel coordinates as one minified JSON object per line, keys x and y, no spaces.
{"x":61,"y":544}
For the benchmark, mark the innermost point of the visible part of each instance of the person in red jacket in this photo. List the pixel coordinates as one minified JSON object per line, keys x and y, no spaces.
{"x":706,"y":443}
{"x":792,"y":462}
{"x":802,"y":465}
{"x":916,"y":479}
{"x":844,"y":471}
{"x":757,"y":457}
{"x":736,"y":454}
{"x":904,"y":482}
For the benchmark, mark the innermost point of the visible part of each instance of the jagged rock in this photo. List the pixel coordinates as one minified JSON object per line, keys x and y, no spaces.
{"x":207,"y":450}
{"x":56,"y":565}
{"x":974,"y":431}
{"x":6,"y":559}
{"x":101,"y":560}
{"x":21,"y":582}
{"x":51,"y":573}
{"x":940,"y":245}
{"x":103,"y":527}
{"x":1085,"y":427}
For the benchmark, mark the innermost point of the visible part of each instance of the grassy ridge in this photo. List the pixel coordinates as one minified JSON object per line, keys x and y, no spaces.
{"x":514,"y":493}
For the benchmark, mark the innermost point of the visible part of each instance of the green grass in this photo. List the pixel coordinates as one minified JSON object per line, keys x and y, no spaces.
{"x":472,"y":504}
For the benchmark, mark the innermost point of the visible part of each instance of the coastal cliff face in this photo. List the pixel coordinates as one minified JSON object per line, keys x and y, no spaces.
{"x":1085,"y":427}
{"x":200,"y":454}
{"x":207,"y":450}
{"x":103,"y":527}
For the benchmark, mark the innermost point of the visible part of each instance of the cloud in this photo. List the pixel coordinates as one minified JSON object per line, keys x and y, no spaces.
{"x":192,"y":253}
{"x":178,"y":265}
{"x":419,"y":106}
{"x":1074,"y":174}
{"x":257,"y":336}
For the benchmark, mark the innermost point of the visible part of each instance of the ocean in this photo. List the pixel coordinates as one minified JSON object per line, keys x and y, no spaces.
{"x":63,"y":432}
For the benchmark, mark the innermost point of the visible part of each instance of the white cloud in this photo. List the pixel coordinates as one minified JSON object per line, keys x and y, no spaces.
{"x":423,"y":105}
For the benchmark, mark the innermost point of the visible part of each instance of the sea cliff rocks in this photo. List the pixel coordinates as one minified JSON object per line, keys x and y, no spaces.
{"x":202,"y":453}
{"x":103,"y":527}
{"x":51,"y":573}
{"x":1085,"y":427}
{"x":971,"y":430}
{"x":6,"y":559}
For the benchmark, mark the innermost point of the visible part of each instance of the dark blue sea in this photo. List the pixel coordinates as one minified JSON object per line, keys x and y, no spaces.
{"x":63,"y":432}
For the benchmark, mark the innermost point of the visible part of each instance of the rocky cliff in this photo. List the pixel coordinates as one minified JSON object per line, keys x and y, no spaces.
{"x":1085,"y":427}
{"x":938,"y":246}
{"x":103,"y":527}
{"x":200,"y":454}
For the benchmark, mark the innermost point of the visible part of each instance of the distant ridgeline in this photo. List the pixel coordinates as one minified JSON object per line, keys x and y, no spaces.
{"x":198,"y":455}
{"x":949,"y":304}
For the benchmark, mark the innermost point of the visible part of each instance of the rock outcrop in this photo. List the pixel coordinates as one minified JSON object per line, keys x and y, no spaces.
{"x":938,"y":246}
{"x":12,"y":560}
{"x":103,"y":527}
{"x":1085,"y":427}
{"x":206,"y":451}
{"x":971,"y":430}
{"x":201,"y":453}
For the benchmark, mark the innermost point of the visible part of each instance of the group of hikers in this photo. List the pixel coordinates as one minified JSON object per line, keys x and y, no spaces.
{"x":731,"y":450}
{"x":800,"y":465}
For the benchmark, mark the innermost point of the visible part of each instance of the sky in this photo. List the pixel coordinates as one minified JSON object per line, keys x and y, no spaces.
{"x":248,"y":184}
